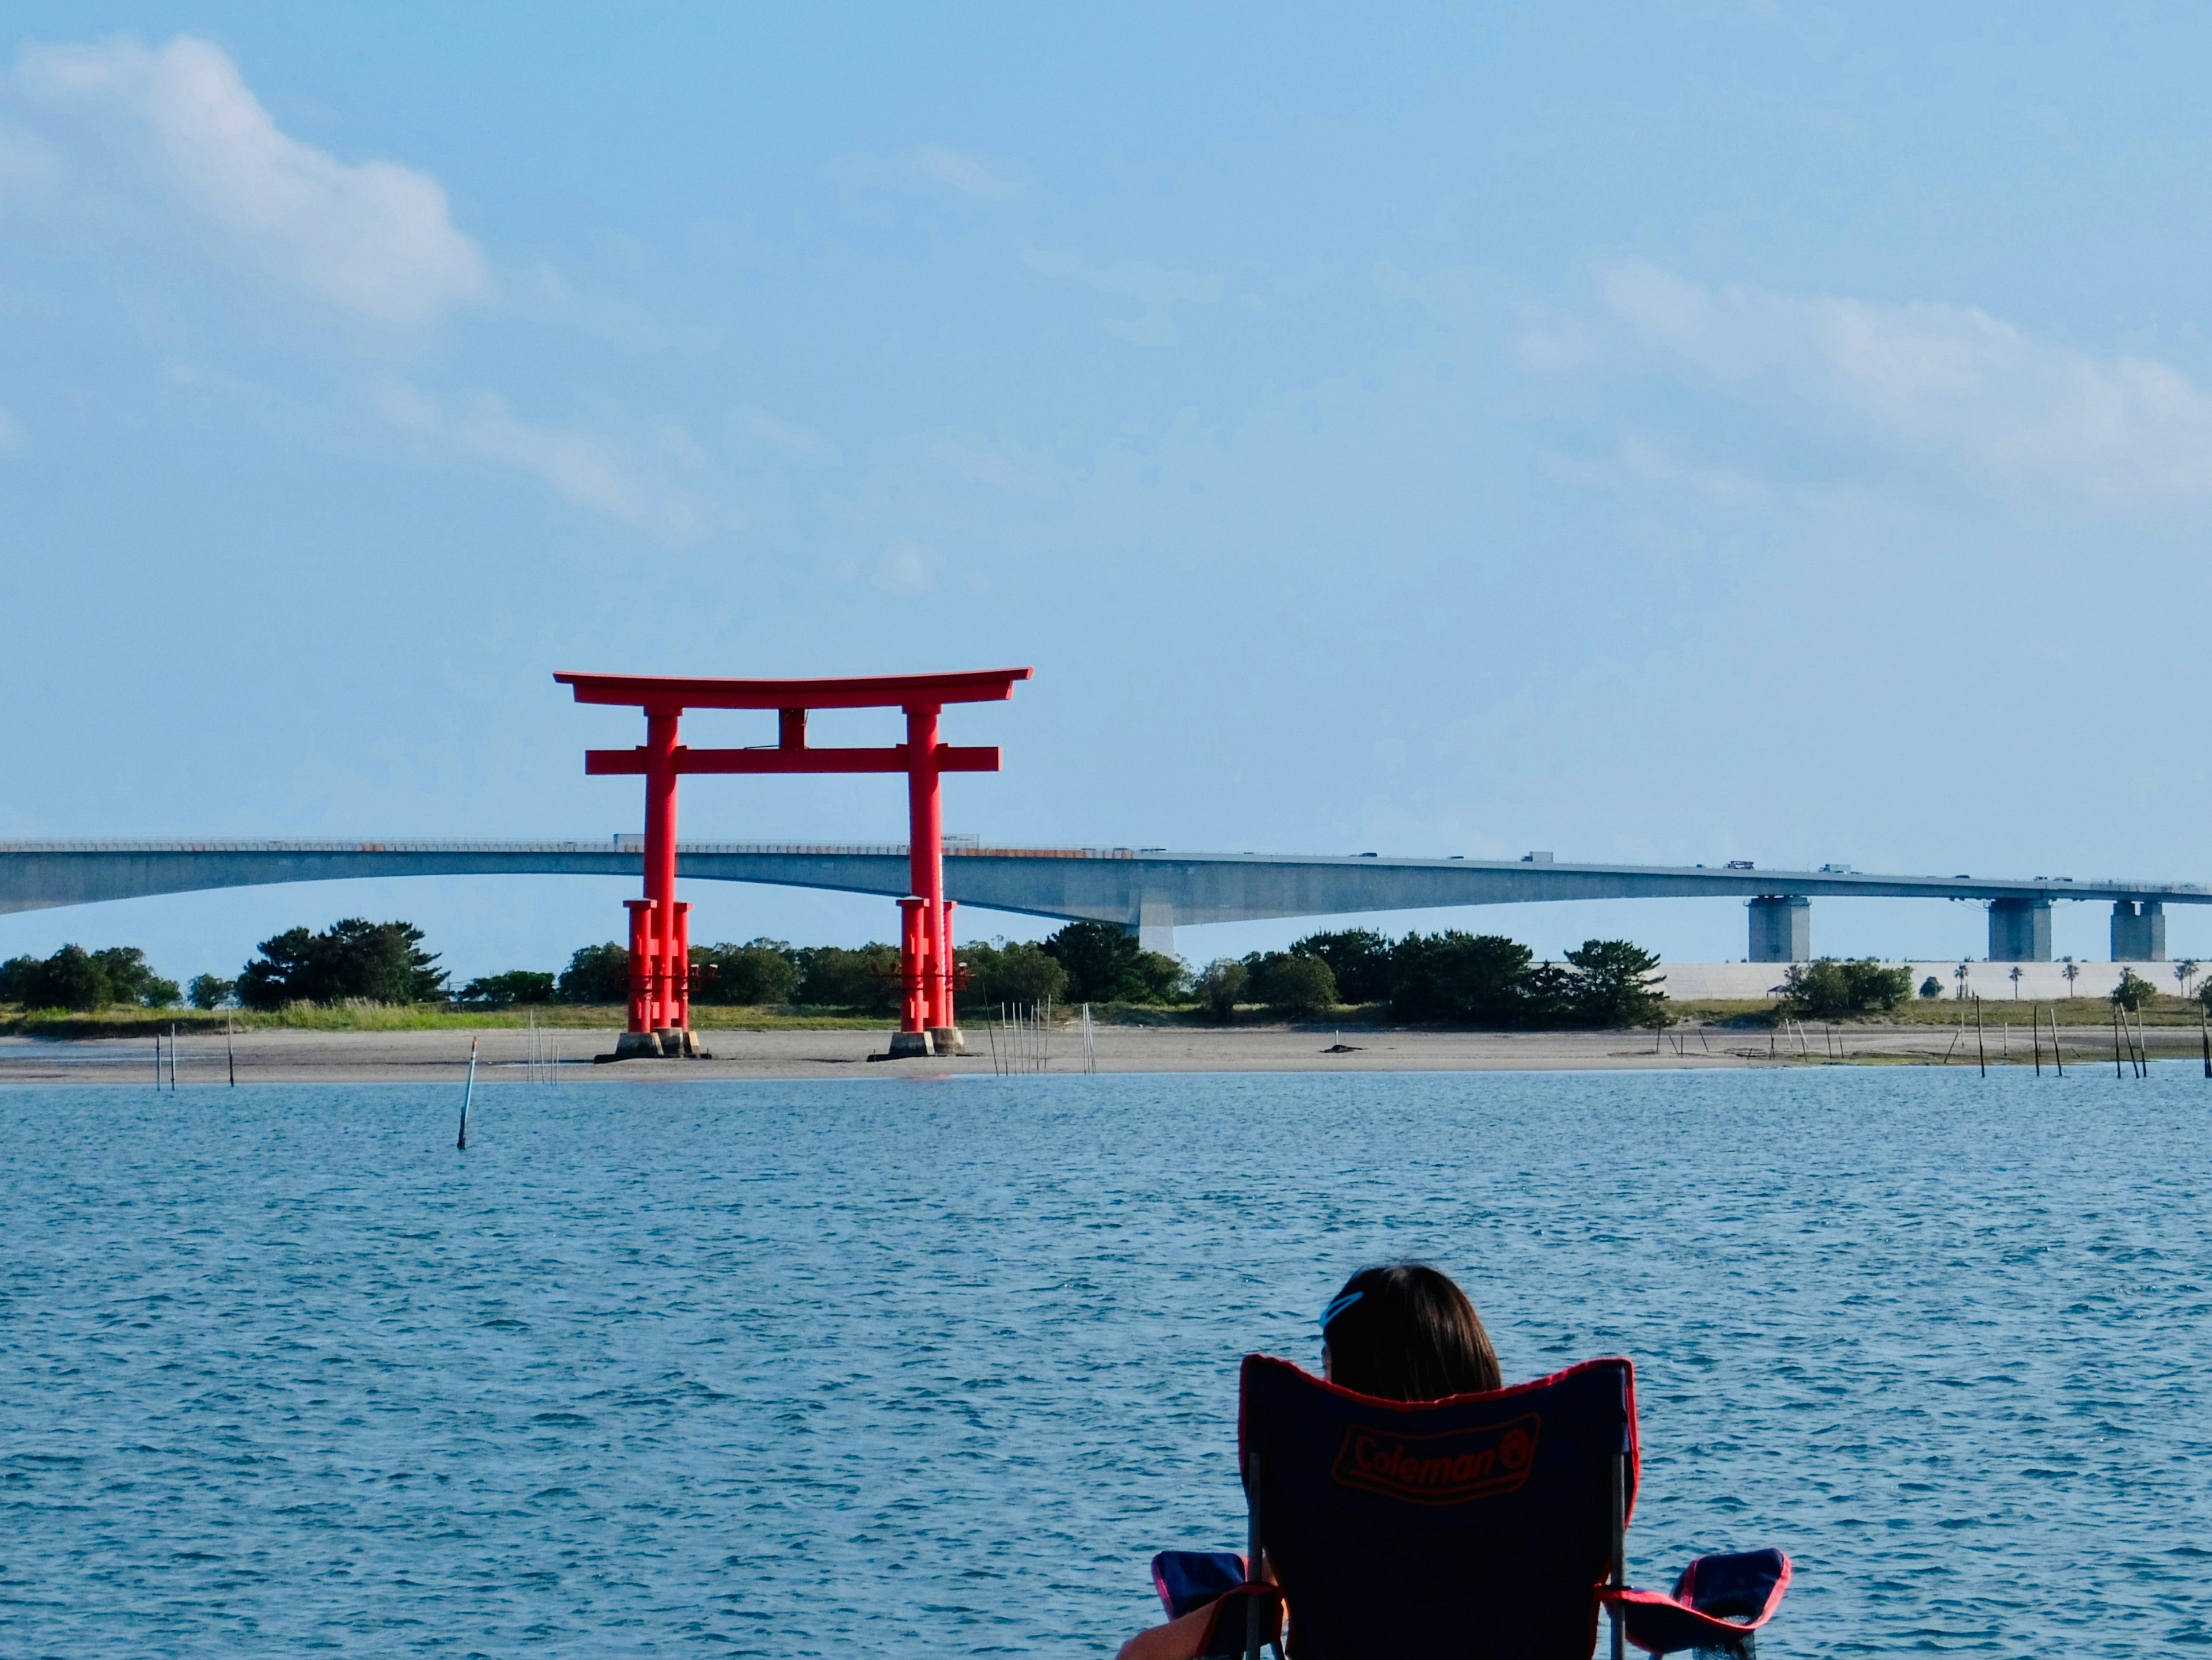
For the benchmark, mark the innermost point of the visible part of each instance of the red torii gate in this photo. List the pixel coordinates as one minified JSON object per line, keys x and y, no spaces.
{"x":660,"y":927}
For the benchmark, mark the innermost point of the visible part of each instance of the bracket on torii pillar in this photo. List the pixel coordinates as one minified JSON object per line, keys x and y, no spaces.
{"x":660,"y":931}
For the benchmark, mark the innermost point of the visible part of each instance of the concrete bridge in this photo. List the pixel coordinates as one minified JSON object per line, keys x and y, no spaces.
{"x":1148,"y":890}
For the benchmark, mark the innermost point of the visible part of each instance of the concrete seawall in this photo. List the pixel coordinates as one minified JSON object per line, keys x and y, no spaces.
{"x":1993,"y":981}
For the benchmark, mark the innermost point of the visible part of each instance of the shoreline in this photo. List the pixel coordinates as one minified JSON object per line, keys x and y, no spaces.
{"x":505,"y":1052}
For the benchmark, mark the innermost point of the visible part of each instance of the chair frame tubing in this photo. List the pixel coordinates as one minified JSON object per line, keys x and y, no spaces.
{"x":1252,"y":1611}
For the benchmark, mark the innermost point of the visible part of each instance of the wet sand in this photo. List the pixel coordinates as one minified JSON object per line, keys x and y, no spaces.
{"x":430,"y":1056}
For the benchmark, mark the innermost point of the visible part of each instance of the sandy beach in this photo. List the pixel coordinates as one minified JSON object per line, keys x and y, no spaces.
{"x":504,"y":1052}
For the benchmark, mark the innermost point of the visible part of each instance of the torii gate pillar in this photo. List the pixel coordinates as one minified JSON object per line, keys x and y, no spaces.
{"x":660,"y":925}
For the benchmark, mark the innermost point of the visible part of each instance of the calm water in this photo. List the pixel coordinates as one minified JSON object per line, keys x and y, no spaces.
{"x":902,"y":1367}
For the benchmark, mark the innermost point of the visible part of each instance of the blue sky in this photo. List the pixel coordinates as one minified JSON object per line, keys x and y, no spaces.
{"x":1659,"y":433}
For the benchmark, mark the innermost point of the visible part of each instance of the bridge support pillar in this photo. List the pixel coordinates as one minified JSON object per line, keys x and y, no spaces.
{"x":2138,"y":935}
{"x":2019,"y":930}
{"x":1155,"y":926}
{"x":1781,"y":928}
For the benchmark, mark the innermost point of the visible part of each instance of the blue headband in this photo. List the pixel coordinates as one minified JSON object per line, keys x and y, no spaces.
{"x":1338,"y":1307}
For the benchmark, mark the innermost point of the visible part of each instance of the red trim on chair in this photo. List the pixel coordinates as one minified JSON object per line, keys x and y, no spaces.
{"x":1635,"y":1436}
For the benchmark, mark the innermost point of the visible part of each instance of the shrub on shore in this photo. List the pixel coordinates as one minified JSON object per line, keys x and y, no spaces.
{"x":210,"y":991}
{"x":84,"y":981}
{"x":505,"y":991}
{"x":834,"y":977}
{"x":595,"y":974}
{"x":1105,"y":964}
{"x":2133,"y":993}
{"x":1220,"y":987}
{"x":1292,"y":984}
{"x":354,"y":958}
{"x":998,"y":973}
{"x":758,"y":974}
{"x":1828,"y":986}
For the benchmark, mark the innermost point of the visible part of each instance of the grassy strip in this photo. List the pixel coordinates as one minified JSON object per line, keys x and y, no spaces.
{"x":121,"y":1022}
{"x":124,"y":1022}
{"x":2073,"y":1011}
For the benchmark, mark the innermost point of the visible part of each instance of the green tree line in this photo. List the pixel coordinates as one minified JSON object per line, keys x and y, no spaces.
{"x":1481,"y":979}
{"x":80,"y":980}
{"x":1083,"y":961}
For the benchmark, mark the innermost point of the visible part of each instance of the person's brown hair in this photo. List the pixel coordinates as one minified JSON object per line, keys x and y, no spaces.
{"x":1407,"y":1334}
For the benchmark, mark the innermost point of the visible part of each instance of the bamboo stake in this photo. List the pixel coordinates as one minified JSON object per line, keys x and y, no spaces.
{"x":2058,"y":1053}
{"x":2116,"y":1038}
{"x":2035,"y":1035}
{"x":462,"y":1142}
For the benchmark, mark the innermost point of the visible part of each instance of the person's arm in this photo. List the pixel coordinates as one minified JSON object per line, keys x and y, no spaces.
{"x":1178,"y":1639}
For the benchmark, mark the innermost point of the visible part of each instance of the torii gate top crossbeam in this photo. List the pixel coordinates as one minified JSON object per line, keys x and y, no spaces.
{"x":859,"y":692}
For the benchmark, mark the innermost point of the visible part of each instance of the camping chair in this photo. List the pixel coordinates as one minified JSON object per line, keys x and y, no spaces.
{"x":1484,"y":1525}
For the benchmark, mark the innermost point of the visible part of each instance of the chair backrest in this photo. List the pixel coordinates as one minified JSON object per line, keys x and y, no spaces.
{"x":1478,"y":1525}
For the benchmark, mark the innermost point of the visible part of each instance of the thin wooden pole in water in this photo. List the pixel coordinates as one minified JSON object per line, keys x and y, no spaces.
{"x":2035,"y":1035}
{"x":230,"y":1050}
{"x":1981,"y":1050}
{"x":2058,"y":1053}
{"x":2204,"y":1024}
{"x":172,"y":1060}
{"x":462,"y":1144}
{"x":2116,"y":1037}
{"x":157,"y":1058}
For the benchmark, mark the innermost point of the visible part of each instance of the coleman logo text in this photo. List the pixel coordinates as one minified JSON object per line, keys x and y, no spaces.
{"x":1439,"y":1469}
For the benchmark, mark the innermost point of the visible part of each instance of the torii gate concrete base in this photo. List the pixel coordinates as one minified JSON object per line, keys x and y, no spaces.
{"x":653,"y":1045}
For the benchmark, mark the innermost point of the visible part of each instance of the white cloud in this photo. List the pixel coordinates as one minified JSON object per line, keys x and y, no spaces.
{"x":1642,"y":461}
{"x":984,"y":466}
{"x":793,"y":443}
{"x":934,"y":169}
{"x":969,"y":175}
{"x":373,"y":237}
{"x":31,"y":169}
{"x":1157,"y":288}
{"x":1944,"y":382}
{"x":578,"y":467}
{"x":908,"y":568}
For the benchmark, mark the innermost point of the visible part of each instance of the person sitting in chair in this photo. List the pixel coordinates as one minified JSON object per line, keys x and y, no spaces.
{"x":1401,"y":1331}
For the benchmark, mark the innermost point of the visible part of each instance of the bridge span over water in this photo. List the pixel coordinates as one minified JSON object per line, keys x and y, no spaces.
{"x":1150,"y":891}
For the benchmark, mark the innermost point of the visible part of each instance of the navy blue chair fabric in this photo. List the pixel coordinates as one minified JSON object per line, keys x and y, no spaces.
{"x":1479,"y":1525}
{"x":1716,"y":1603}
{"x":1187,"y":1580}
